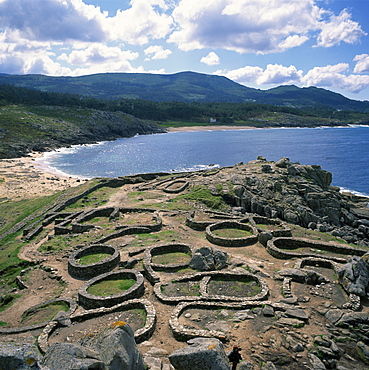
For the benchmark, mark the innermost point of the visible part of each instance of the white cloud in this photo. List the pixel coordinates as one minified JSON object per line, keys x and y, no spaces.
{"x":53,"y":20}
{"x":263,"y":26}
{"x":97,"y":54}
{"x":362,"y":65}
{"x":211,"y":59}
{"x":144,"y":21}
{"x":340,"y":29}
{"x":278,"y":74}
{"x":273,"y":74}
{"x":157,"y":52}
{"x":246,"y":74}
{"x":331,"y":76}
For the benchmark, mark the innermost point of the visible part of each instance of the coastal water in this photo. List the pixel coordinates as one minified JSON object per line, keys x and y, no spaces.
{"x":342,"y":151}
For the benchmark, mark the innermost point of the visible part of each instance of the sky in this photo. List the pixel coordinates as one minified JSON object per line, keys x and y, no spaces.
{"x":257,"y":43}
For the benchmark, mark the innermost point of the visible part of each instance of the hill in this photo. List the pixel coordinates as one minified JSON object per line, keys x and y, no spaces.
{"x":184,"y":87}
{"x":24,"y":129}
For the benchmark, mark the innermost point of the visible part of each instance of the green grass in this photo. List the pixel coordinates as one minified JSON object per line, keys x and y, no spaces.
{"x":88,"y":259}
{"x":146,"y":239}
{"x":110,"y":287}
{"x":202,"y":195}
{"x":231,"y":233}
{"x":171,"y":257}
{"x":3,"y":323}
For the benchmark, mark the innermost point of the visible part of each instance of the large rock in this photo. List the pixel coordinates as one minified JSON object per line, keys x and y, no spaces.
{"x":201,"y":354}
{"x":72,"y":356}
{"x":114,"y":348}
{"x":117,"y":347}
{"x":354,"y":275}
{"x":20,"y":357}
{"x":208,"y":259}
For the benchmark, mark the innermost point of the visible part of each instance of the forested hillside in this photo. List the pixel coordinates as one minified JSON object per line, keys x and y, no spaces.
{"x":183,"y":87}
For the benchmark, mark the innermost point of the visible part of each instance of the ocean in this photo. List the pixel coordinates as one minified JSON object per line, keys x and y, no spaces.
{"x":343,"y":151}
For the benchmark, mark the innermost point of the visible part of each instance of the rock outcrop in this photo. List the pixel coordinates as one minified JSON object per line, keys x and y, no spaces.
{"x":354,"y":276}
{"x":208,"y":259}
{"x":201,"y":354}
{"x":112,"y":349}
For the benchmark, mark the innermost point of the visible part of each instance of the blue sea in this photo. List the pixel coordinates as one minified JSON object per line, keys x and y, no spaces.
{"x":343,"y":151}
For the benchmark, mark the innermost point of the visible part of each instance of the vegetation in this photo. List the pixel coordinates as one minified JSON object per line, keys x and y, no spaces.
{"x":110,"y":287}
{"x":93,"y":258}
{"x":43,"y":313}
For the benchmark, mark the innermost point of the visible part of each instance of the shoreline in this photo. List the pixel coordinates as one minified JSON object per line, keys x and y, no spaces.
{"x":24,"y":178}
{"x":210,"y":128}
{"x":31,"y":176}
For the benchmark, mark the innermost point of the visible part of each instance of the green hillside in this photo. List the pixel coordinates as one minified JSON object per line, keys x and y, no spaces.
{"x":184,"y":87}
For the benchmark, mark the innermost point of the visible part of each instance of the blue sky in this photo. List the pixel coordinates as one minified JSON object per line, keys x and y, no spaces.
{"x":258,"y":43}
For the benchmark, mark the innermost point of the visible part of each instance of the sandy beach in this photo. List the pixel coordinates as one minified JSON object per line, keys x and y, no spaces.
{"x":24,"y":178}
{"x":208,"y":128}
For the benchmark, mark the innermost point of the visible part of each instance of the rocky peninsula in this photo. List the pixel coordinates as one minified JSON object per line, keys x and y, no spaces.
{"x":169,"y":271}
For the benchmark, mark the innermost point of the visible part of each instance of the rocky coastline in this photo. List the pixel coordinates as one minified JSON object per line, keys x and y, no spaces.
{"x":266,"y":255}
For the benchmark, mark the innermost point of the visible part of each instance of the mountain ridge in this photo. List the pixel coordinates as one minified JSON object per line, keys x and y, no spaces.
{"x":184,"y":86}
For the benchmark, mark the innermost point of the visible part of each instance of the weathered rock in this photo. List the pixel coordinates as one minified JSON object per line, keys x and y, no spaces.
{"x":20,"y":357}
{"x":363,"y":351}
{"x":208,"y":259}
{"x":116,"y":346}
{"x":201,"y":354}
{"x":71,"y":356}
{"x":354,"y":276}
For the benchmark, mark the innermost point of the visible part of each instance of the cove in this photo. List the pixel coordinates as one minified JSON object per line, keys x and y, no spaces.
{"x":343,"y":151}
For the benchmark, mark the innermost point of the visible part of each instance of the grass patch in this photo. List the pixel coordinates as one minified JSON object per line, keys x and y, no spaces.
{"x":166,"y":236}
{"x":231,"y":233}
{"x":43,"y":313}
{"x":88,"y":259}
{"x":3,"y":323}
{"x":187,"y":288}
{"x":171,"y":257}
{"x":110,"y":287}
{"x":202,"y":195}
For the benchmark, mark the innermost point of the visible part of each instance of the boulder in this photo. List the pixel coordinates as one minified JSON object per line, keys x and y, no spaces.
{"x":208,"y":259}
{"x":116,"y":346}
{"x":354,"y":275}
{"x":201,"y":354}
{"x":71,"y":356}
{"x":20,"y":357}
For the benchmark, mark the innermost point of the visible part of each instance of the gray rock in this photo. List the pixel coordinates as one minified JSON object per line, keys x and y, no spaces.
{"x":245,"y":365}
{"x":364,"y":350}
{"x":264,"y":237}
{"x":201,"y":354}
{"x":153,"y":363}
{"x":297,"y":313}
{"x":19,"y":356}
{"x":354,"y":275}
{"x":72,"y":356}
{"x":208,"y":259}
{"x":334,"y":315}
{"x":316,"y":363}
{"x":268,"y":366}
{"x":117,"y":347}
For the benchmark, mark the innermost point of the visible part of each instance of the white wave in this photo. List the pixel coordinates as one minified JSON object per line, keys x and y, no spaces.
{"x":358,"y":193}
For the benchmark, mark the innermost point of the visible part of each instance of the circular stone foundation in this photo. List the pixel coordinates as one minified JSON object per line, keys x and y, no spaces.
{"x":88,"y":301}
{"x":85,"y":272}
{"x":231,"y":242}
